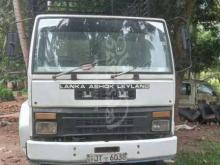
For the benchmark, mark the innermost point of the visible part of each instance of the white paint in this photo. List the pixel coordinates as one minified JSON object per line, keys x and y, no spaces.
{"x":47,"y":93}
{"x":63,"y":152}
{"x":24,"y":125}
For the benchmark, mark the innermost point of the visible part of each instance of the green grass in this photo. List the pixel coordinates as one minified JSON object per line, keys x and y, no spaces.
{"x":210,"y":155}
{"x":24,"y":92}
{"x":6,"y":94}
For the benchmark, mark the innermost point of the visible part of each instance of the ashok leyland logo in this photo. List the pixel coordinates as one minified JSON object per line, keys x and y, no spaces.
{"x":104,"y":86}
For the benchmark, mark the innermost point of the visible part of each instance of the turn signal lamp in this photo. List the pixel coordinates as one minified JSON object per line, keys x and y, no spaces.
{"x":45,"y":116}
{"x":162,"y":114}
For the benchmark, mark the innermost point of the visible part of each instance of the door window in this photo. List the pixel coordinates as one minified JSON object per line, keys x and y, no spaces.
{"x":185,"y":89}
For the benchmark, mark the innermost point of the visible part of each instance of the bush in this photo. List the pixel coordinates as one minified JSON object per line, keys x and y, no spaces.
{"x":5,"y":94}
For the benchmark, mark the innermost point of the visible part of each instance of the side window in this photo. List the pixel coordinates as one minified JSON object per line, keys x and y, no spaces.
{"x":204,"y":89}
{"x":185,"y":89}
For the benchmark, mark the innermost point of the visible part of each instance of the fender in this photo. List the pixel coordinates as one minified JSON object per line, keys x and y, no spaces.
{"x":24,"y":125}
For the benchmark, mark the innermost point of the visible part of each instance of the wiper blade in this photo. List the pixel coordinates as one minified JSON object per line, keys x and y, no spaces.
{"x":123,"y":73}
{"x":83,"y":67}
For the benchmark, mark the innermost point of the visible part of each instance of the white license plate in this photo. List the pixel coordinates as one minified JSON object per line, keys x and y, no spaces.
{"x":106,"y":157}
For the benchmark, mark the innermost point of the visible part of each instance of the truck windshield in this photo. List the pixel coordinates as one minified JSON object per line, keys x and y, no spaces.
{"x":121,"y":44}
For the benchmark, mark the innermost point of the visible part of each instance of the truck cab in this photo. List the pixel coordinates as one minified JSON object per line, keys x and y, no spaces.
{"x":101,"y":89}
{"x":193,"y":92}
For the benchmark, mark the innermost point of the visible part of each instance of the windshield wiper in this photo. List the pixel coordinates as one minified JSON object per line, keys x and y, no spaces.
{"x":123,"y":73}
{"x":83,"y":67}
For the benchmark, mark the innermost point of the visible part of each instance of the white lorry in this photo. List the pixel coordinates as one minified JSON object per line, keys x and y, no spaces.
{"x":101,"y":89}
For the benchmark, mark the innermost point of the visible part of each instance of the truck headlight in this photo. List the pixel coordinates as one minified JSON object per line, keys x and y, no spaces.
{"x":46,"y":128}
{"x":161,"y":125}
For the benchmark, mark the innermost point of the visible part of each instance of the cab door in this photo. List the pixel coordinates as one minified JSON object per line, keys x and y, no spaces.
{"x":187,"y":95}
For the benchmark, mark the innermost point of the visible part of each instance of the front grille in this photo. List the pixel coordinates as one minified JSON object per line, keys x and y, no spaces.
{"x":104,"y":124}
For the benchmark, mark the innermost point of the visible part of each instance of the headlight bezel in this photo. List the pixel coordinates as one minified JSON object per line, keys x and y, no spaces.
{"x":46,"y":128}
{"x":161,"y":125}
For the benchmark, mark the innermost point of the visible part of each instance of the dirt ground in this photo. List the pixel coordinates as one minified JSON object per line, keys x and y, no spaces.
{"x":10,"y":153}
{"x":193,"y":141}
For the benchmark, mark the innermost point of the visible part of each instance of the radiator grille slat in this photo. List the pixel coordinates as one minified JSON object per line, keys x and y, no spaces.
{"x":102,"y":122}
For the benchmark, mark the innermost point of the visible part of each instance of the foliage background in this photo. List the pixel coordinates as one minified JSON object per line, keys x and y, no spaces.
{"x":202,"y":17}
{"x":7,"y":24}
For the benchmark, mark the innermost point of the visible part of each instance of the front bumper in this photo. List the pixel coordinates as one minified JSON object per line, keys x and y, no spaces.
{"x":76,"y":152}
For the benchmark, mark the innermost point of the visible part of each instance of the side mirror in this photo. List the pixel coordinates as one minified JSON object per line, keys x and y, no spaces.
{"x":186,"y":40}
{"x":13,"y":45}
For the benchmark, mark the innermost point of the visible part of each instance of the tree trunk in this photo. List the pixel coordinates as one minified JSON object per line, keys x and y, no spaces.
{"x":178,"y":49}
{"x":21,"y":30}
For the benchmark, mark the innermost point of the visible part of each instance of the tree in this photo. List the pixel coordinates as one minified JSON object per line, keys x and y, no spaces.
{"x":206,"y":31}
{"x":21,"y":30}
{"x":6,"y":17}
{"x":206,"y":50}
{"x":7,"y":24}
